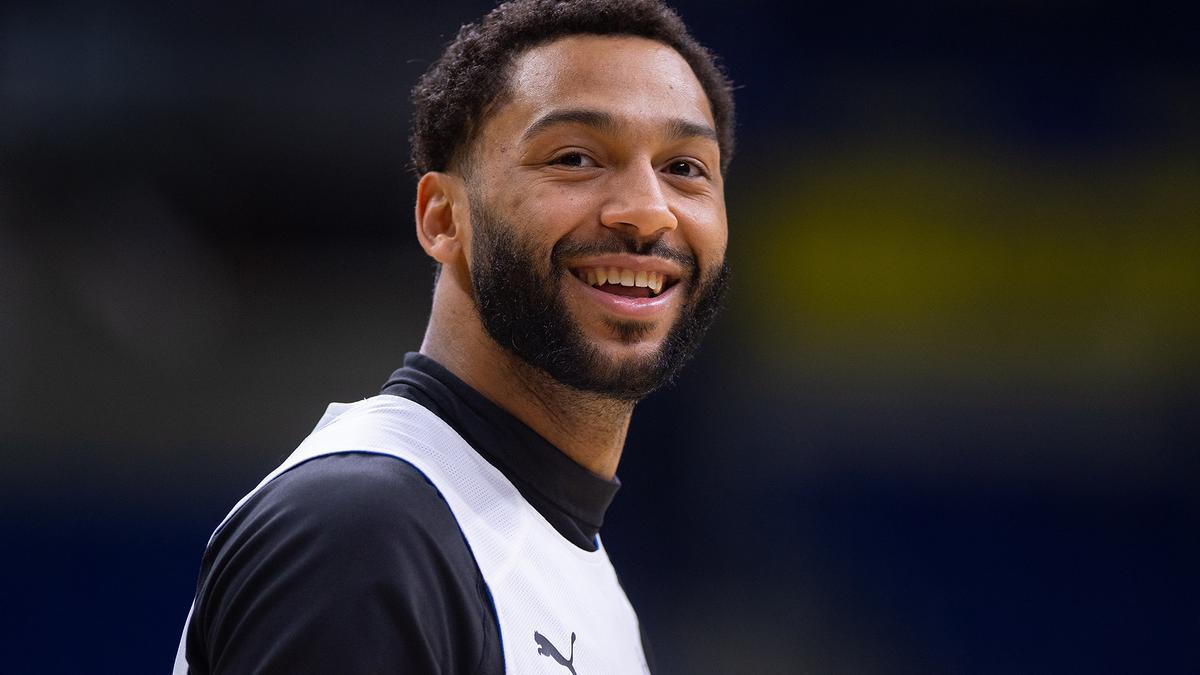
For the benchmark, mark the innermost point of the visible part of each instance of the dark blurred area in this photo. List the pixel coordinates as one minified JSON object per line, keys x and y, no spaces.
{"x":948,"y":423}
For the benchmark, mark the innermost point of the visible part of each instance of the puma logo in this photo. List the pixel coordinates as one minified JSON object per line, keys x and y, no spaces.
{"x":547,"y":649}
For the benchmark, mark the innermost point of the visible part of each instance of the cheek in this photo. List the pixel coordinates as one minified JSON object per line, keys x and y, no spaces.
{"x":709,"y":232}
{"x":552,"y":209}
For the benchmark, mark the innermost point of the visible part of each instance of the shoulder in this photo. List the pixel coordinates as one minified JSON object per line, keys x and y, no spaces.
{"x":339,"y":552}
{"x":352,"y":508}
{"x":348,"y":491}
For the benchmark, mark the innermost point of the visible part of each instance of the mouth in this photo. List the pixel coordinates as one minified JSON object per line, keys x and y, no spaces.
{"x":626,"y":282}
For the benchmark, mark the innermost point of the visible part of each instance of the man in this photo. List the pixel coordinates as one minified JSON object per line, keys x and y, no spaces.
{"x":571,"y":158}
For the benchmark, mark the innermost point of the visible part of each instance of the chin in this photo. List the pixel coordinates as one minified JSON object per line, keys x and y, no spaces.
{"x":619,"y":349}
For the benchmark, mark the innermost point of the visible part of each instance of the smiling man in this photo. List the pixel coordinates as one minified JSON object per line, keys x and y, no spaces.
{"x":572,"y":157}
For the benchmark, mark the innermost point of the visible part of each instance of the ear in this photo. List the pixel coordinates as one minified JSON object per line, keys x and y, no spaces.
{"x":440,"y":201}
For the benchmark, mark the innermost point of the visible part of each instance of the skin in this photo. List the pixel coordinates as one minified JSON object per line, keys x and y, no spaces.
{"x":654,"y":172}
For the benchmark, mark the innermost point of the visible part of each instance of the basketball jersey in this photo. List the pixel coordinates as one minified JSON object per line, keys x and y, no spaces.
{"x":559,"y":608}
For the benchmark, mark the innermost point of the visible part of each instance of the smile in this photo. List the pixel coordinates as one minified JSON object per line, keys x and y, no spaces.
{"x":625,"y":282}
{"x":626,"y":293}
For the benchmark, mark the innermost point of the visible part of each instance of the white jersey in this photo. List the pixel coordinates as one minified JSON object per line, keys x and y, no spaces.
{"x":559,"y":607}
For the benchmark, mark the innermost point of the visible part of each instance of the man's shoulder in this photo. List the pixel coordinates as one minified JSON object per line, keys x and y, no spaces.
{"x":351,"y":480}
{"x":345,"y":495}
{"x":358,"y":521}
{"x":331,"y":559}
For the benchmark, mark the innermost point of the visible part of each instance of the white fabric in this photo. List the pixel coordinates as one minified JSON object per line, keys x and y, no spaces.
{"x":539,"y":581}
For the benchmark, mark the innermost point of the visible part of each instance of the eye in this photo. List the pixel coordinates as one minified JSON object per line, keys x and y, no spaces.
{"x":686,"y":168}
{"x":573,"y":159}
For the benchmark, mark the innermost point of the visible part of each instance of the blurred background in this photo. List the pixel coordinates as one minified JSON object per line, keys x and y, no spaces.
{"x":948,"y":423}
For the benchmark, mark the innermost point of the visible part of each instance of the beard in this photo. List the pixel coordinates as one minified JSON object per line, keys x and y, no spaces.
{"x":525,"y":311}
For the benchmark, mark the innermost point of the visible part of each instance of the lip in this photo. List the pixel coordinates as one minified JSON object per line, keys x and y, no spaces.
{"x":628,"y":307}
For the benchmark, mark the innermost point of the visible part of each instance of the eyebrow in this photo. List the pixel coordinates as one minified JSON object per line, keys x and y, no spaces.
{"x":681,"y":129}
{"x":677,"y":128}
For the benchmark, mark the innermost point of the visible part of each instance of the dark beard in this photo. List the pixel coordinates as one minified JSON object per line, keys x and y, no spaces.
{"x":525,"y":313}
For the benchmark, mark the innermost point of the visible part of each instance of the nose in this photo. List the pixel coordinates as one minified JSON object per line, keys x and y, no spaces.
{"x":638,"y":203}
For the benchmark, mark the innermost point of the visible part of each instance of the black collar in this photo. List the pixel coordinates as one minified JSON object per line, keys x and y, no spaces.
{"x":568,"y":496}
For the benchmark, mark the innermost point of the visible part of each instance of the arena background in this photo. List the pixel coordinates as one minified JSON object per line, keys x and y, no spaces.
{"x":947,"y":425}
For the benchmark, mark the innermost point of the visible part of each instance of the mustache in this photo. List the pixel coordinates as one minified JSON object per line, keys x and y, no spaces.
{"x":618,"y":242}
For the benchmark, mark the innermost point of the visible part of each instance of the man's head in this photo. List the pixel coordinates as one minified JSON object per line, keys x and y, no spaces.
{"x":474,"y":72}
{"x":573,"y":155}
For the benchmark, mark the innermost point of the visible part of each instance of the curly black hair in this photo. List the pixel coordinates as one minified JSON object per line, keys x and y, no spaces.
{"x":453,"y":96}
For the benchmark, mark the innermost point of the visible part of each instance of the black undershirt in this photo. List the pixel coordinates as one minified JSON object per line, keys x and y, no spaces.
{"x":567,"y":495}
{"x":353,"y":563}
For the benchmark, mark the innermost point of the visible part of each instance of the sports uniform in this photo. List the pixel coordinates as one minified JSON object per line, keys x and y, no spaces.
{"x":424,"y":530}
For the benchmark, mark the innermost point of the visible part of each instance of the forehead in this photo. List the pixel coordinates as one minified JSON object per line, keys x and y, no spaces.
{"x":635,"y":79}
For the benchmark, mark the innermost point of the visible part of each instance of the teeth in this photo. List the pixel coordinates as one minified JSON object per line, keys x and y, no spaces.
{"x":598,"y":276}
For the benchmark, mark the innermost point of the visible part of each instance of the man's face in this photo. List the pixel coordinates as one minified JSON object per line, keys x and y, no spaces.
{"x":598,"y":231}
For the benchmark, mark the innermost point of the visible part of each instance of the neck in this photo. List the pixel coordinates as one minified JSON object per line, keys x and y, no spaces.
{"x":589,"y":429}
